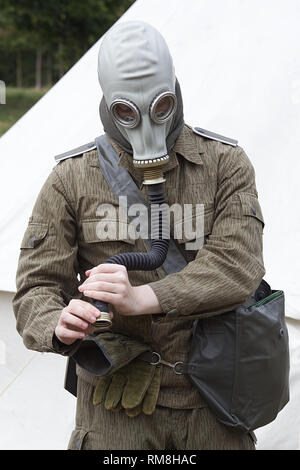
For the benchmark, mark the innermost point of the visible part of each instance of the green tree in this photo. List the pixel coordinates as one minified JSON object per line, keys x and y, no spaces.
{"x":59,"y":30}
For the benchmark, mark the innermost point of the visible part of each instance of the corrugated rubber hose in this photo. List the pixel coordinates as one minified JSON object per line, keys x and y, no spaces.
{"x":160,"y":235}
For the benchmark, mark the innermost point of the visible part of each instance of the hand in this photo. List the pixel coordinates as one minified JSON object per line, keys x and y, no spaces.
{"x":75,"y":321}
{"x":110,"y":283}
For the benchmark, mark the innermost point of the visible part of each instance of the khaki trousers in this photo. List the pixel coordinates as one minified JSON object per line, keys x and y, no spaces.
{"x":167,"y":429}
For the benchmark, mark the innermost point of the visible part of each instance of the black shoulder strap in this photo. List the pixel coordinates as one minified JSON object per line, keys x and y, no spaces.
{"x":121,"y":184}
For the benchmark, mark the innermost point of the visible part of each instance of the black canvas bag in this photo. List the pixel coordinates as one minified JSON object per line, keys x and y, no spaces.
{"x":239,"y":361}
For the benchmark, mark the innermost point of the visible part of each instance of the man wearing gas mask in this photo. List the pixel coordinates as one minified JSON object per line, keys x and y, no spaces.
{"x":131,"y":392}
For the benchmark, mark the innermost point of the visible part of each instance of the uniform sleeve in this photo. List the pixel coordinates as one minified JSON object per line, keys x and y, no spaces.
{"x":47,"y":270}
{"x":229,"y":267}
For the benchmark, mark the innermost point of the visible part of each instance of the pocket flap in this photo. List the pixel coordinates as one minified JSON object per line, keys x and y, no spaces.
{"x":251,"y":206}
{"x":34,"y":234}
{"x":93,"y":231}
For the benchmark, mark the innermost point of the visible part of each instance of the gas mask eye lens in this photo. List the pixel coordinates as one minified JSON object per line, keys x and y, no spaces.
{"x":125,"y":113}
{"x":163,"y":107}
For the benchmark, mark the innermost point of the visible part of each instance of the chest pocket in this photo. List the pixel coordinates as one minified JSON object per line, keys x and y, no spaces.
{"x":98,"y":241}
{"x":113,"y":230}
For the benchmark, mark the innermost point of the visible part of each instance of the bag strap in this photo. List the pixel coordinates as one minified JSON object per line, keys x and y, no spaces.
{"x":121,"y":183}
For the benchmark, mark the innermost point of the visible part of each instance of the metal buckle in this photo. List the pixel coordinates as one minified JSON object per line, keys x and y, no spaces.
{"x":158,"y":361}
{"x":175,"y":365}
{"x":166,"y":363}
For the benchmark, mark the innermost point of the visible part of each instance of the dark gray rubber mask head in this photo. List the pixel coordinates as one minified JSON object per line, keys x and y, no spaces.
{"x":140,"y":90}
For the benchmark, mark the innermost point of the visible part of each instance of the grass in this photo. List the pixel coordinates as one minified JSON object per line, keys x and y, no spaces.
{"x":18,"y":101}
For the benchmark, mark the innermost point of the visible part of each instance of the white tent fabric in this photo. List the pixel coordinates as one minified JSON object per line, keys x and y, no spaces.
{"x":36,"y":411}
{"x":239,"y":69}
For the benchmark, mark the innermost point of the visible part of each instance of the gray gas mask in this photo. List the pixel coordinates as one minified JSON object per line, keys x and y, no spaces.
{"x":137,"y":77}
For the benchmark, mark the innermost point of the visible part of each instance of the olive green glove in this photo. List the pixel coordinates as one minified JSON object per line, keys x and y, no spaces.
{"x":134,"y":387}
{"x":104,"y":353}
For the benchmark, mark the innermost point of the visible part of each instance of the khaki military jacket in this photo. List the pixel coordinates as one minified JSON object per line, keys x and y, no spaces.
{"x":61,"y":242}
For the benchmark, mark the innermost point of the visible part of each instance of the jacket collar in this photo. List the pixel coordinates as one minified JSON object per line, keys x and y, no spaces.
{"x":188,"y":146}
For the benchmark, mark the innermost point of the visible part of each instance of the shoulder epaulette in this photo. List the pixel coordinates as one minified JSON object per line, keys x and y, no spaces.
{"x":75,"y":152}
{"x":213,"y":136}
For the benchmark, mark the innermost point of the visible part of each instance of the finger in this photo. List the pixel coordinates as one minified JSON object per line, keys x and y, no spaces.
{"x":114,"y":393}
{"x":101,"y":389}
{"x":105,"y":277}
{"x":74,"y":321}
{"x":133,"y":412}
{"x":117,"y":408}
{"x":151,"y":396}
{"x":85,"y":312}
{"x":107,"y":268}
{"x":77,"y":305}
{"x":74,"y":303}
{"x":134,"y":391}
{"x":118,"y":277}
{"x":107,"y":297}
{"x":102,"y":286}
{"x":67,"y":335}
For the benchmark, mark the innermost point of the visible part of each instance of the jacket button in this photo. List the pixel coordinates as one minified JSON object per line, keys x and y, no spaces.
{"x":31,"y":241}
{"x":253,"y":210}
